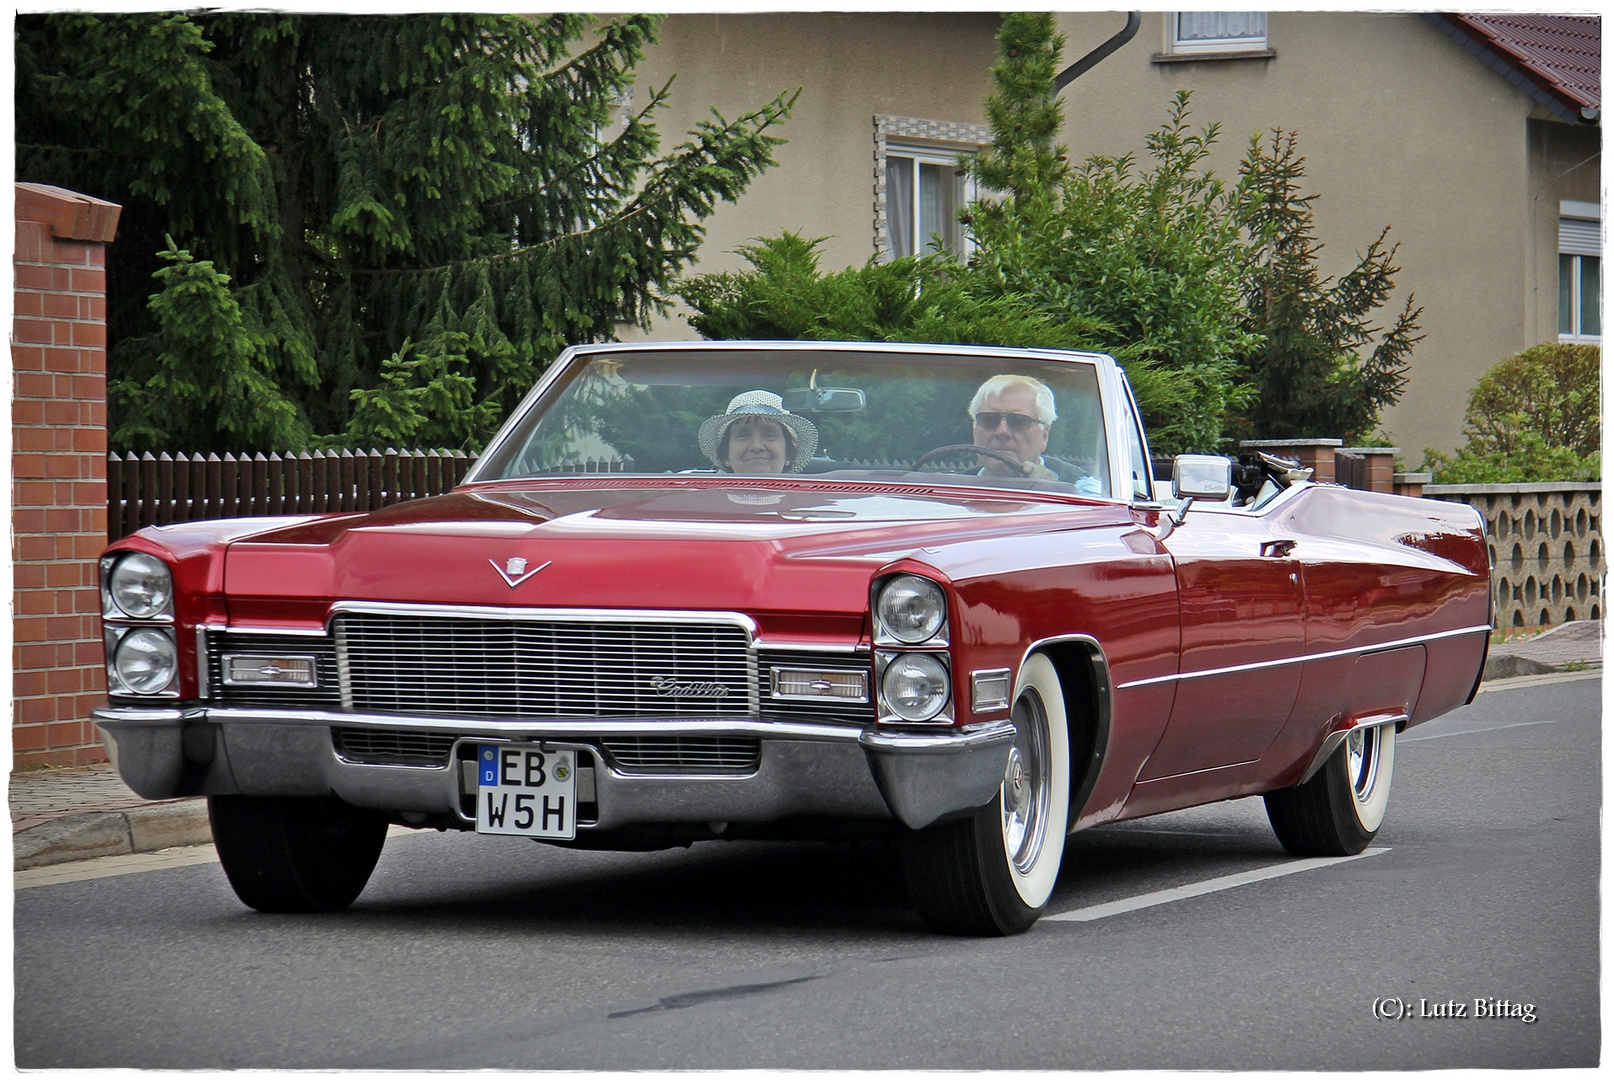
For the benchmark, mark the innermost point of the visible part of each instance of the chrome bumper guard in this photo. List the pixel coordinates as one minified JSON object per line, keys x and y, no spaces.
{"x":804,"y":767}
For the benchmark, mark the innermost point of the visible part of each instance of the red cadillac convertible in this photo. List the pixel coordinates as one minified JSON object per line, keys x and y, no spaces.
{"x":700,"y":590}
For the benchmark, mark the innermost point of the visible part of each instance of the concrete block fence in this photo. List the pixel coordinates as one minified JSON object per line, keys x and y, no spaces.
{"x":1546,"y":542}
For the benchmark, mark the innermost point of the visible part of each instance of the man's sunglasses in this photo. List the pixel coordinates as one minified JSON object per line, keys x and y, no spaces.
{"x":1019,"y":423}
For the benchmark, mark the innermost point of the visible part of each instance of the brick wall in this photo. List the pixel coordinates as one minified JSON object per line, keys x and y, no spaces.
{"x":58,"y":471}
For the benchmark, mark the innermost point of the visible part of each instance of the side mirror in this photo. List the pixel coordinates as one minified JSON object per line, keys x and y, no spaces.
{"x":1200,"y":476}
{"x":822,"y":399}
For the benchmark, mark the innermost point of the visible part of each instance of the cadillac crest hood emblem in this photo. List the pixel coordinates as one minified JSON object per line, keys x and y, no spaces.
{"x":514,"y":571}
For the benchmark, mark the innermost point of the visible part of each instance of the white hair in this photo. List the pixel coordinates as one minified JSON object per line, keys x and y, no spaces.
{"x":999,"y":383}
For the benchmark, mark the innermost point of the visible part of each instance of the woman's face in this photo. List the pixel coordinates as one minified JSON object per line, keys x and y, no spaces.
{"x":757,"y":445}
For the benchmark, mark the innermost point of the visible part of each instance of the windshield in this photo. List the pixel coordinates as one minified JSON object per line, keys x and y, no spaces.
{"x":1005,"y":421}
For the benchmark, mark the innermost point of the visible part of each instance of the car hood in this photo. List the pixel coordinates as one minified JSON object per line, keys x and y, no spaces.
{"x":694,"y":545}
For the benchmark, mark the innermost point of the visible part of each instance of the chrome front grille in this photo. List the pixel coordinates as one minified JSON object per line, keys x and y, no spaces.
{"x":370,"y":746}
{"x":683,"y":753}
{"x":542,"y":668}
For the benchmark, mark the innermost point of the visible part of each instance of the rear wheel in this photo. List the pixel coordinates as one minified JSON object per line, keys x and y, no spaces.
{"x":992,"y":874}
{"x":1339,"y":810}
{"x":295,"y":855}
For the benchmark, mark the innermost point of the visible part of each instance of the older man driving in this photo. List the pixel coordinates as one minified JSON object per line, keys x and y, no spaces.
{"x":1012,"y":414}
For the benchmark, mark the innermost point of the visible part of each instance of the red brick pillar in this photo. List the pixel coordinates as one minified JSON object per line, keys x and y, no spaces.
{"x":58,"y":472}
{"x":1378,"y":466}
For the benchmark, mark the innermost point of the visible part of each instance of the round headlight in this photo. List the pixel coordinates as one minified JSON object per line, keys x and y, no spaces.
{"x":912,"y":608}
{"x":915,"y":686}
{"x":146,"y":661}
{"x":141,"y":586}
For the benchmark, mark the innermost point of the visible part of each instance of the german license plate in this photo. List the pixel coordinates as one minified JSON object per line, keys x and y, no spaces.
{"x":523,"y":790}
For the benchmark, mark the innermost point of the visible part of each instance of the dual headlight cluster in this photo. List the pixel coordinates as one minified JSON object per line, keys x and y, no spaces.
{"x":910,"y":613}
{"x":137,"y":612}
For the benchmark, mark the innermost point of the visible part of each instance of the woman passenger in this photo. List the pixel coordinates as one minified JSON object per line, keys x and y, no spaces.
{"x":756,"y":435}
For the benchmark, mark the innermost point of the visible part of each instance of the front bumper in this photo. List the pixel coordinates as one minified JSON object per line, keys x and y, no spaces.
{"x":803,"y":768}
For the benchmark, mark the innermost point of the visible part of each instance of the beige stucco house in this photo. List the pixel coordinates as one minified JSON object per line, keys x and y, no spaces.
{"x":1475,"y":137}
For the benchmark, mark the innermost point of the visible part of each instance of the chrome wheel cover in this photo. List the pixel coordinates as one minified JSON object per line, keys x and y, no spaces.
{"x":1026,"y":783}
{"x":1362,"y":761}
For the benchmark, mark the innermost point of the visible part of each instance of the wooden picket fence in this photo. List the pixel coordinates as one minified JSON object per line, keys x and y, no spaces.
{"x":160,"y":489}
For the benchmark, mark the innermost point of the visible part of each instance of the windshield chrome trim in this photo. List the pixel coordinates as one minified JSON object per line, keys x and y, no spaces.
{"x":1383,"y":646}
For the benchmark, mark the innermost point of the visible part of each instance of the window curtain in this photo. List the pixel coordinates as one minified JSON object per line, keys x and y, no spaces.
{"x":1220,"y":25}
{"x":899,"y":204}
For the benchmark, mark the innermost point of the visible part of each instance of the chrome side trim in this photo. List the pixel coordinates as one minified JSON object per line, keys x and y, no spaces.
{"x":1331,"y":743}
{"x":1381,"y":646}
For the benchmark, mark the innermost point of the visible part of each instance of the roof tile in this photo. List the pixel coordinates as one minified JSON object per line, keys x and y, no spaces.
{"x":1563,"y":54}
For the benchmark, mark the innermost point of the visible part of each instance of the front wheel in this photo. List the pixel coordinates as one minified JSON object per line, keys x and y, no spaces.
{"x":1339,"y":810}
{"x":992,"y":874}
{"x":295,"y":855}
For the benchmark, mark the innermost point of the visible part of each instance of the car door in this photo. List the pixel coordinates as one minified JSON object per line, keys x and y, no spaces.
{"x":1242,"y":605}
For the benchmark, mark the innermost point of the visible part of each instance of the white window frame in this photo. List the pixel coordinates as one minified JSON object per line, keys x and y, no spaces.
{"x":1177,"y":45}
{"x":1579,"y":242}
{"x":930,"y":142}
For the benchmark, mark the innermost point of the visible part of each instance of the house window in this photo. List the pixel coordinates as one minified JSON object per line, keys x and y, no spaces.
{"x":1216,"y":31}
{"x":919,"y":187}
{"x":1580,"y":272}
{"x":924,"y":192}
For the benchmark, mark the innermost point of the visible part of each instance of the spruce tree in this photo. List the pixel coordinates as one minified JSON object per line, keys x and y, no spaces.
{"x":1311,"y":373}
{"x":365,"y":230}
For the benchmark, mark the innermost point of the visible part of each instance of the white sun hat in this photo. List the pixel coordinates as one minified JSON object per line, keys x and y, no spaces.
{"x":760,"y":403}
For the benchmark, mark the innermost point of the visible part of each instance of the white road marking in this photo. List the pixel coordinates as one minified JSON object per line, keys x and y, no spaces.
{"x":1184,"y":892}
{"x":138,"y":863}
{"x":1471,"y":731}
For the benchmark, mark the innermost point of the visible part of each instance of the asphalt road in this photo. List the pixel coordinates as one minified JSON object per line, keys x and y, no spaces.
{"x":469,"y":952}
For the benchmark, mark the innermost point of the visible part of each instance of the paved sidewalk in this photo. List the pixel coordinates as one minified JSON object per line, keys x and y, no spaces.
{"x":1569,"y":646}
{"x":64,"y":815}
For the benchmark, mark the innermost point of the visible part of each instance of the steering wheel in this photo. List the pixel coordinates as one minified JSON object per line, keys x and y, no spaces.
{"x":1021,"y":467}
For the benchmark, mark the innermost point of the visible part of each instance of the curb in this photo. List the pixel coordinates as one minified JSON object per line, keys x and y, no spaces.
{"x":90,"y":835}
{"x":1509,"y":665}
